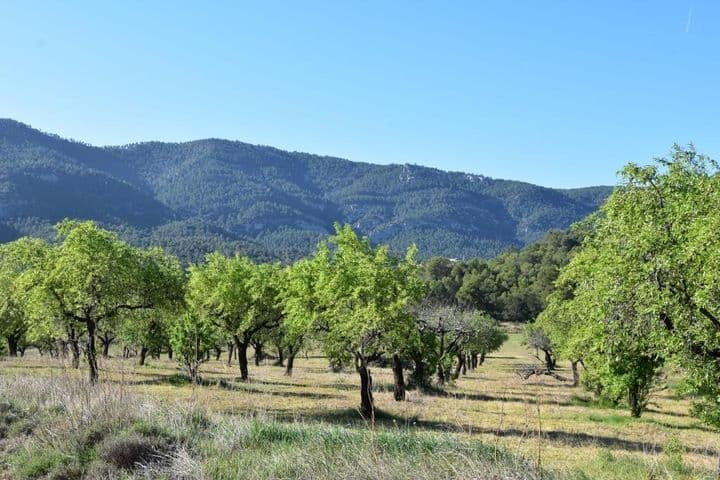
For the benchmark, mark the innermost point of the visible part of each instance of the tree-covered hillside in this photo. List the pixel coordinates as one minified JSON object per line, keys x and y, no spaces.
{"x":216,"y":194}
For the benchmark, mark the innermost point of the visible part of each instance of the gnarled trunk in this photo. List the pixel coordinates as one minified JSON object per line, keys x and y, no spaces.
{"x":289,"y":366}
{"x":367,"y":406}
{"x":91,"y":352}
{"x":143,"y":355}
{"x":399,"y":379}
{"x":13,"y":341}
{"x":74,"y":342}
{"x":459,"y":366}
{"x":242,"y":347}
{"x":258,"y":347}
{"x":636,"y":401}
{"x":549,"y":360}
{"x":231,"y":349}
{"x":106,"y":339}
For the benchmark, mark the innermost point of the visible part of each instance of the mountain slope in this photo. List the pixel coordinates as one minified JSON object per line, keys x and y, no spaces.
{"x":266,"y":202}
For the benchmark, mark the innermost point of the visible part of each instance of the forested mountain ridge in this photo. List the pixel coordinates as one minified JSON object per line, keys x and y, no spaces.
{"x":217,"y":194}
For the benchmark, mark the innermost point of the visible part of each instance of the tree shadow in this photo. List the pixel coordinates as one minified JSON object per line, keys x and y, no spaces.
{"x":285,"y":384}
{"x":352,"y":417}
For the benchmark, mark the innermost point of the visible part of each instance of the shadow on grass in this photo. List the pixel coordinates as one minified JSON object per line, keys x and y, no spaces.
{"x":435,"y":391}
{"x":351,"y":417}
{"x":182,"y":380}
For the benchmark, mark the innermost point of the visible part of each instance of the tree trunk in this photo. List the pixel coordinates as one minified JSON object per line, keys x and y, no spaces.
{"x":289,"y":367}
{"x":549,"y":362}
{"x":170,"y":353}
{"x":281,"y":357}
{"x":635,"y":401}
{"x":482,"y":358}
{"x":231,"y":348}
{"x":13,"y":341}
{"x":441,"y":374}
{"x":367,"y":407}
{"x":399,"y":390}
{"x":242,"y":358}
{"x":418,"y":374}
{"x":459,"y":366}
{"x":143,"y":354}
{"x":465,"y":364}
{"x":575,"y":373}
{"x":106,"y":340}
{"x":90,"y":351}
{"x":258,"y":347}
{"x":218,"y":352}
{"x":74,"y":348}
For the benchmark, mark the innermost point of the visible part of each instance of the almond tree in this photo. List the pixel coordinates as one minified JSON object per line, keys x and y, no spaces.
{"x":20,"y":263}
{"x":242,"y":299}
{"x":360,"y":303}
{"x":93,"y":276}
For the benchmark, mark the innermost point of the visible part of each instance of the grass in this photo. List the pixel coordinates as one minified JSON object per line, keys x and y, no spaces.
{"x":307,"y":426}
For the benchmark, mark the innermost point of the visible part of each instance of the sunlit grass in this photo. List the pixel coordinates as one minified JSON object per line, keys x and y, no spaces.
{"x":542,"y":419}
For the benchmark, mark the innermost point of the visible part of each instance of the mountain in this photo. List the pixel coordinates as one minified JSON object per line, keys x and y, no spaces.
{"x":212,"y":194}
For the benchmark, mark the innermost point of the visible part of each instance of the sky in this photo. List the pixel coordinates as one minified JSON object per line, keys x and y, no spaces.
{"x":557,"y":93}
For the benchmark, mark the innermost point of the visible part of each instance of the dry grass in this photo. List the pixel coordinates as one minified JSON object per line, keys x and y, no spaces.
{"x":542,"y":419}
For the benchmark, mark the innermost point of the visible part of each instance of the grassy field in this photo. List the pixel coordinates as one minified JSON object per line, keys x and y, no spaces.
{"x":542,"y":420}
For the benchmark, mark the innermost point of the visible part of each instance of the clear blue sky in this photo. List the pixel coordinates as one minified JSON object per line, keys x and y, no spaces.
{"x":556,"y":93}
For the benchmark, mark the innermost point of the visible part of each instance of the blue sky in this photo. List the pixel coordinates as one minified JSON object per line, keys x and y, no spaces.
{"x":556,"y":93}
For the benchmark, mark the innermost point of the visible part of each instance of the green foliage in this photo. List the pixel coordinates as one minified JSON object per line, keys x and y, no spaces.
{"x":19,"y":263}
{"x":191,"y":337}
{"x":216,"y":195}
{"x":91,"y":278}
{"x":644,"y":287}
{"x":363,"y":295}
{"x":512,"y":286}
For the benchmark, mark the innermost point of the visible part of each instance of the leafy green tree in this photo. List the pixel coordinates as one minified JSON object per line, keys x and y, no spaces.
{"x":192,"y":336}
{"x":147,"y":330}
{"x":239,"y":297}
{"x":20,"y":263}
{"x":93,"y":277}
{"x":487,"y":338}
{"x":363,"y":295}
{"x":645,"y":284}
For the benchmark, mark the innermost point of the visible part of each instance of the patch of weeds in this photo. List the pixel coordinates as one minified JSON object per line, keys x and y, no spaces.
{"x":267,"y":433}
{"x":674,"y":451}
{"x":21,"y":426}
{"x":616,"y":420}
{"x":148,"y":429}
{"x":9,"y":413}
{"x":36,"y":462}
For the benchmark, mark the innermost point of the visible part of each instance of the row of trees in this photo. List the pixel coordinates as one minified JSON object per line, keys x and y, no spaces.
{"x":643,"y":293}
{"x":354,"y":301}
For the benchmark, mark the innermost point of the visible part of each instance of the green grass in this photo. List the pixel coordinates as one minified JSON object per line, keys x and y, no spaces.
{"x":488,"y":424}
{"x":124,"y":436}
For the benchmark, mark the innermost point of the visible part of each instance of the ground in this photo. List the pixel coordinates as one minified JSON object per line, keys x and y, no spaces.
{"x":543,"y":419}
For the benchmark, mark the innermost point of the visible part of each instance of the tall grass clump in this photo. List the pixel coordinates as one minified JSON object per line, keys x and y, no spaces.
{"x":65,"y":428}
